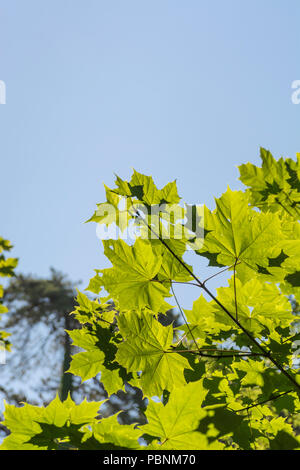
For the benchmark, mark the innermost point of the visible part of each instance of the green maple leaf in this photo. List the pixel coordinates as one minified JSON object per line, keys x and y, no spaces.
{"x":112,"y":435}
{"x":172,"y":269}
{"x":143,"y":188}
{"x":237,"y":233}
{"x":276,"y":185}
{"x":7,"y":266}
{"x":288,"y":272}
{"x":91,"y":311}
{"x":176,"y":424}
{"x":95,"y":284}
{"x":202,"y":320}
{"x":254,"y":371}
{"x":222,"y":422}
{"x":258,"y":303}
{"x":131,"y":281}
{"x":100,"y":345}
{"x":87,"y":364}
{"x":147,"y":348}
{"x":116,"y":210}
{"x":122,"y":201}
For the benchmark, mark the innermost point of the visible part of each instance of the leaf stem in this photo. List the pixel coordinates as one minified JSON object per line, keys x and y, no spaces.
{"x":234,"y":287}
{"x":218,"y":356}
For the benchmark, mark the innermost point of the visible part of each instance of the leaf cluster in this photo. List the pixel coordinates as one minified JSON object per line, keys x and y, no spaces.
{"x":228,"y":376}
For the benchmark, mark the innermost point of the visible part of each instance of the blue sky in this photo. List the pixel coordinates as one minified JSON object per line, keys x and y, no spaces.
{"x":176,"y":89}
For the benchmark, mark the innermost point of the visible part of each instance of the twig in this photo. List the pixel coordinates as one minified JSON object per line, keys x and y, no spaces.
{"x":220,"y":272}
{"x":272,"y":398}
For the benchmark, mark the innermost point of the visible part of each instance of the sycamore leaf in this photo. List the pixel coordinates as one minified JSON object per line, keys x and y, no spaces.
{"x":172,"y":270}
{"x":176,"y":424}
{"x":131,"y":280}
{"x":7,"y":266}
{"x":222,"y":422}
{"x":256,"y":302}
{"x":147,"y":348}
{"x":100,"y":346}
{"x":87,"y":364}
{"x":202,"y":320}
{"x":254,"y":371}
{"x":142,"y":188}
{"x":235,"y":232}
{"x":116,"y":210}
{"x":95,"y":284}
{"x":114,"y":436}
{"x":90,"y":311}
{"x":276,"y":185}
{"x":122,"y":201}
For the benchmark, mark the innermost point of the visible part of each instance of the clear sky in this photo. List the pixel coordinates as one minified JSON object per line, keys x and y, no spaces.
{"x":178,"y":89}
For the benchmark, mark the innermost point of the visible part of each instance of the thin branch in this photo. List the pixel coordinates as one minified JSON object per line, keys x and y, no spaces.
{"x":221,"y":355}
{"x":292,"y":202}
{"x":291,"y":338}
{"x":220,"y":272}
{"x":209,"y":278}
{"x":284,"y":208}
{"x":182,"y":282}
{"x":272,"y":398}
